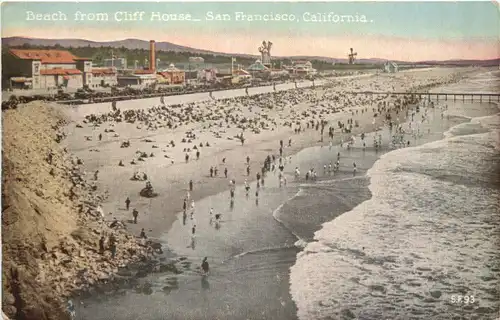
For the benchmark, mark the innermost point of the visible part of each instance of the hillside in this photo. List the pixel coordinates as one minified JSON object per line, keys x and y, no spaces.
{"x":176,"y":53}
{"x":136,"y":44}
{"x":50,"y":219}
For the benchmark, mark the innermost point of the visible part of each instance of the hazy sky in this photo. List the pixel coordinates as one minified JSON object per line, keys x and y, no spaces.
{"x":393,"y":30}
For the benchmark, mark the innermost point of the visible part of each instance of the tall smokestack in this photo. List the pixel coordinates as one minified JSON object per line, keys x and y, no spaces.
{"x":152,"y":55}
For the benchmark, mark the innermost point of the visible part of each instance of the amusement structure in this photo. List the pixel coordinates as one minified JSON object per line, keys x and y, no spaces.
{"x":352,"y":56}
{"x":265,"y":51}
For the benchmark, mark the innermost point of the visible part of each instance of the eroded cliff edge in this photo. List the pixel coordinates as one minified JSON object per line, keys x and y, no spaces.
{"x":51,"y":221}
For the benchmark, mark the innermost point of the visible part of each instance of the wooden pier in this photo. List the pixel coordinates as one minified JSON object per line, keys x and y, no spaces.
{"x":460,"y":96}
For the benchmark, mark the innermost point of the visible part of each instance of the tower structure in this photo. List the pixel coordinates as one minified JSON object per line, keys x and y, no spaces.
{"x":265,"y":52}
{"x":352,"y":56}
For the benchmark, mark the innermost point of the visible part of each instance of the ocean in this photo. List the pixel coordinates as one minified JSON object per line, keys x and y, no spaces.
{"x":426,"y":244}
{"x":413,"y":231}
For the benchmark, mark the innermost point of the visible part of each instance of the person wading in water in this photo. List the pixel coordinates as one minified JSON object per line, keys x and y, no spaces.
{"x":205,"y":267}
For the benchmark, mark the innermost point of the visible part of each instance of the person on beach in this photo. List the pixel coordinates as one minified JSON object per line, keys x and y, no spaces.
{"x":100,"y":136}
{"x":248,"y":170}
{"x":216,"y":171}
{"x":190,"y":185}
{"x":211,"y":172}
{"x":225,"y":172}
{"x":143,"y":234}
{"x":187,"y":158}
{"x":193,"y":231}
{"x":205,"y":267}
{"x":297,"y":173}
{"x":354,"y":168}
{"x":70,"y":309}
{"x":112,"y":245}
{"x":217,"y":218}
{"x":247,"y":187}
{"x":135,"y":214}
{"x":127,"y":203}
{"x":197,"y":154}
{"x":102,"y":247}
{"x":192,"y":208}
{"x":248,"y":160}
{"x":211,"y":213}
{"x":95,"y":174}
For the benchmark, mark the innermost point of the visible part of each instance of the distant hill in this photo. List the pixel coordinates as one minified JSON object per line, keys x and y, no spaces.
{"x":168,"y":46}
{"x":164,"y":46}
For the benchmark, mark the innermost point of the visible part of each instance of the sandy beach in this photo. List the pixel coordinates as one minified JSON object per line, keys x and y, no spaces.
{"x":216,"y":123}
{"x":167,"y":170}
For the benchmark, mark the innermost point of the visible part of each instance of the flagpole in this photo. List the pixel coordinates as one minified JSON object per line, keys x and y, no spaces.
{"x":232,"y":66}
{"x":112,"y":59}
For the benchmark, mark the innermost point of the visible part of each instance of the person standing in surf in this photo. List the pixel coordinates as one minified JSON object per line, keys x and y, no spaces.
{"x":205,"y":266}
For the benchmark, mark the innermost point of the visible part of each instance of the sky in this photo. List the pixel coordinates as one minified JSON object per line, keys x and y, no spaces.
{"x":409,"y":31}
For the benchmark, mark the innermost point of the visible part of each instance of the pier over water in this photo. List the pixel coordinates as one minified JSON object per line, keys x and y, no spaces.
{"x":464,"y":96}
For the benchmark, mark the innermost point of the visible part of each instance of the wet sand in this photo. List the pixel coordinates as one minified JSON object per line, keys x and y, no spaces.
{"x":233,"y":249}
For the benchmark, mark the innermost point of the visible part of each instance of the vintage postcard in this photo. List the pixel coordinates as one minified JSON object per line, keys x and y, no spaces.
{"x":250,"y":160}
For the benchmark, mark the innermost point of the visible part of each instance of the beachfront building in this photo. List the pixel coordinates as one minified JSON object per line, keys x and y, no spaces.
{"x":45,"y":69}
{"x":303,"y":68}
{"x":390,"y":67}
{"x":241,"y":76}
{"x":173,"y":75}
{"x":207,"y":75}
{"x":139,"y":77}
{"x":258,"y":70}
{"x":104,"y":77}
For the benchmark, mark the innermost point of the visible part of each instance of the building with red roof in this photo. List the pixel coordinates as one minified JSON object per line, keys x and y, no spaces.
{"x":102,"y":77}
{"x":45,"y":69}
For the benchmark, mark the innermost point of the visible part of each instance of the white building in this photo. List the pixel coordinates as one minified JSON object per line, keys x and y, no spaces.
{"x":390,"y":67}
{"x":102,"y":77}
{"x":303,"y":68}
{"x":207,"y":75}
{"x":45,"y":69}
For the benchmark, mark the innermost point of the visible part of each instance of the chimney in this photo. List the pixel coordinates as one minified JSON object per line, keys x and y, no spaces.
{"x":152,"y":56}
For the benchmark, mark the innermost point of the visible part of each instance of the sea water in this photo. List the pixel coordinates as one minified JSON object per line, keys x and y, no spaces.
{"x":426,"y":244}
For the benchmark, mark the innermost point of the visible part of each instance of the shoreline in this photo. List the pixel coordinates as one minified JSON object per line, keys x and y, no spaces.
{"x":212,"y":191}
{"x":340,"y":210}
